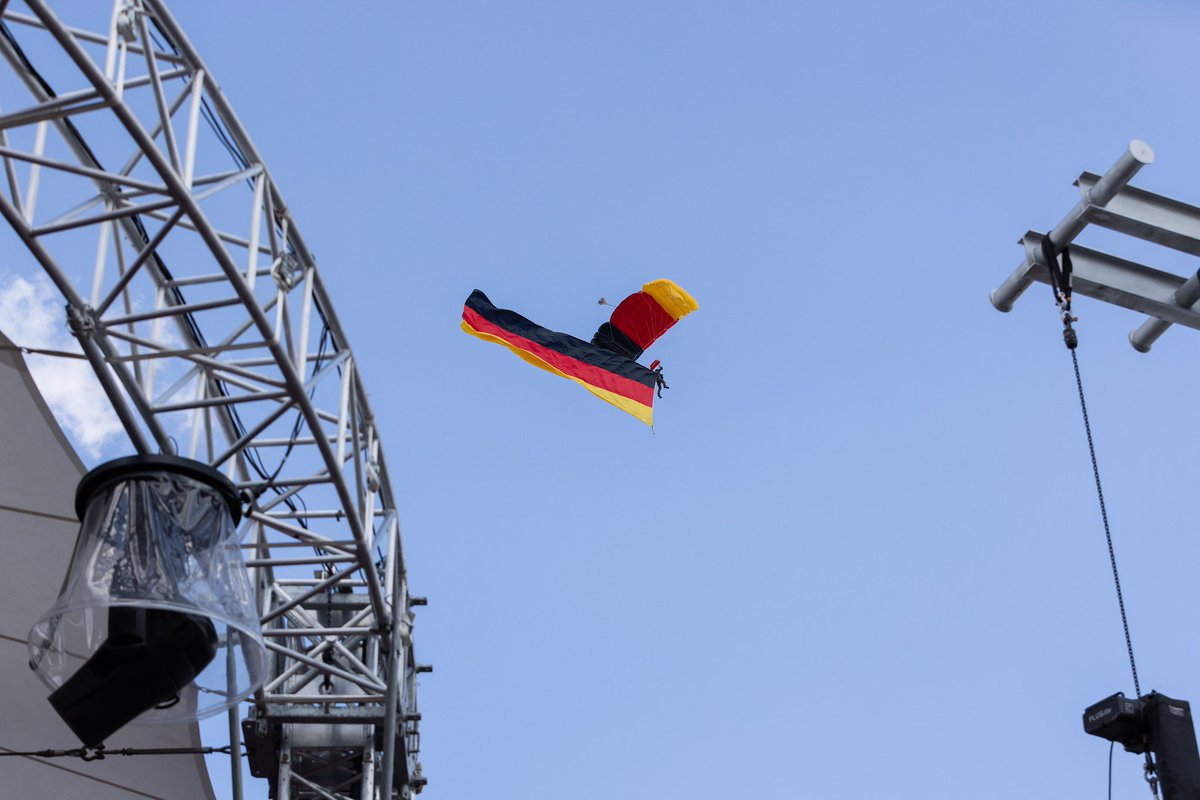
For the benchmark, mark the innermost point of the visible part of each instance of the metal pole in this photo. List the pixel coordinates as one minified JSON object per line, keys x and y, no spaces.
{"x":283,"y":789}
{"x":1148,"y":332}
{"x":395,"y":668}
{"x":1136,"y":156}
{"x":235,"y":726}
{"x":235,"y":752}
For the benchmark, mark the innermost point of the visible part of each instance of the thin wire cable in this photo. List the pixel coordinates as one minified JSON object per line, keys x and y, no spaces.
{"x":1112,"y":556}
{"x":100,"y":753}
{"x":1110,"y":752}
{"x":37,"y":351}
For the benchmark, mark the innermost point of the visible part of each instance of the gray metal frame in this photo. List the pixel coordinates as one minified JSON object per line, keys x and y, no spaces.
{"x":206,"y":321}
{"x":1109,"y":202}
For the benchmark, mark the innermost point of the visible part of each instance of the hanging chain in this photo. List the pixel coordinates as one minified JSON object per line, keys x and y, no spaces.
{"x":1060,"y":285}
{"x":1150,"y":772}
{"x":1071,"y":340}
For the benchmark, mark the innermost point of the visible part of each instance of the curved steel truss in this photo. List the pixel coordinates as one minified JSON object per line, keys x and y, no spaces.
{"x":205,"y":319}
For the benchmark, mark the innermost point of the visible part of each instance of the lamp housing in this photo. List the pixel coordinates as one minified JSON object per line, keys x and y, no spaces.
{"x":155,"y":621}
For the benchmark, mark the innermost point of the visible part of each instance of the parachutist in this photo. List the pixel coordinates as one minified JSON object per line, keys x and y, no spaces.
{"x":607,"y":366}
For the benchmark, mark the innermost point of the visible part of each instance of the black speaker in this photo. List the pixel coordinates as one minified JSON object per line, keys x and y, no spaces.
{"x":150,"y":655}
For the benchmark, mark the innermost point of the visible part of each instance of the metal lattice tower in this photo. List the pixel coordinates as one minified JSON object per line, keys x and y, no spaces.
{"x":206,"y":321}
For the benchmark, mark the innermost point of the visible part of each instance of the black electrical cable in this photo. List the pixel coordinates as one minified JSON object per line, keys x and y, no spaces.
{"x":1110,"y":752}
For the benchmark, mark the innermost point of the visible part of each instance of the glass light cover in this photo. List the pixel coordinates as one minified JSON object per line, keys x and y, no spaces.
{"x":157,"y":551}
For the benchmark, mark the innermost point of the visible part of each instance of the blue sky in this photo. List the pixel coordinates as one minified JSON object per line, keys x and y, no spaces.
{"x":860,"y":553}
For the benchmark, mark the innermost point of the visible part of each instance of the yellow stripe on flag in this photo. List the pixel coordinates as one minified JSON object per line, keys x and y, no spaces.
{"x":633,"y":407}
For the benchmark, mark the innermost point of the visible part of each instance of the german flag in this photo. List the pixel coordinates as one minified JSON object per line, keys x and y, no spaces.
{"x":610,"y":376}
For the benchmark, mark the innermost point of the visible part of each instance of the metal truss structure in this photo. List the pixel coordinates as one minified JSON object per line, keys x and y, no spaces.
{"x":206,"y":321}
{"x":1108,"y":201}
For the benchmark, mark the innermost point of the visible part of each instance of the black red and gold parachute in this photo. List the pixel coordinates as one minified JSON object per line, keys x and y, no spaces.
{"x":607,"y":366}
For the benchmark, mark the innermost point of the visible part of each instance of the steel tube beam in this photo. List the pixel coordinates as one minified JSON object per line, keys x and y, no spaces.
{"x":283,"y":633}
{"x":235,"y":733}
{"x":174,"y":311}
{"x":1121,"y":282}
{"x":317,"y":589}
{"x":82,"y":35}
{"x":1157,"y":219}
{"x":300,"y":561}
{"x":87,"y":172}
{"x":1136,"y":156}
{"x":303,"y":781}
{"x":145,"y":253}
{"x":218,"y":402}
{"x":1145,"y":335}
{"x":395,"y":666}
{"x":358,"y":702}
{"x":333,"y":544}
{"x":358,"y":680}
{"x":320,"y":648}
{"x":1147,"y":216}
{"x":299,"y":712}
{"x":64,"y":105}
{"x":122,"y":212}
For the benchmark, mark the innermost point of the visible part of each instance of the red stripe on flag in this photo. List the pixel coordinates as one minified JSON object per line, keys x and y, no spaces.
{"x":573,"y":367}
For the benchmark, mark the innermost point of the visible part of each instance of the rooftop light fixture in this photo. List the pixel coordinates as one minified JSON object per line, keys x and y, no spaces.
{"x":155,"y":621}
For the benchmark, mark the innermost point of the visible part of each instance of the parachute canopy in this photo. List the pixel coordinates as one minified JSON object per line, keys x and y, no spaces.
{"x":601,"y":366}
{"x":641,"y":318}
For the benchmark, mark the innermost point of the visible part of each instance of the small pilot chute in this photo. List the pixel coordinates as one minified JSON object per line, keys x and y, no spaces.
{"x":607,"y":366}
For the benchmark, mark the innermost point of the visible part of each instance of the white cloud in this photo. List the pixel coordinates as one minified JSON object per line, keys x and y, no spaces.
{"x":32,"y":314}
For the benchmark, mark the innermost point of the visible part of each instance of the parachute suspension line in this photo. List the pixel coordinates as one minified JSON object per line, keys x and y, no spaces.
{"x":1060,"y":284}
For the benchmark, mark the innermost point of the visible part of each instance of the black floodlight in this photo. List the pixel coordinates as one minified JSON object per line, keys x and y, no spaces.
{"x":1118,"y":719}
{"x":155,"y":620}
{"x":1157,"y":724}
